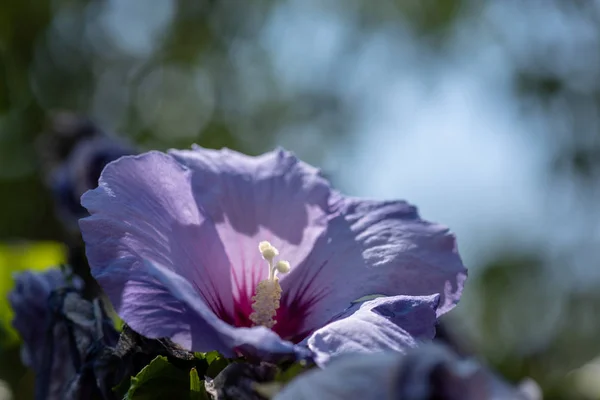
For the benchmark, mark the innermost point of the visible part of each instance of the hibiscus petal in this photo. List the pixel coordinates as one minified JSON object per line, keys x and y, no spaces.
{"x":143,"y":209}
{"x":394,"y":323}
{"x":273,"y":197}
{"x":373,"y":248}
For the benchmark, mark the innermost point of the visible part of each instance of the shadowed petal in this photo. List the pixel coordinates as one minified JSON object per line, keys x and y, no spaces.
{"x":143,"y":209}
{"x":373,"y":248}
{"x":394,"y":323}
{"x":273,"y":197}
{"x":353,"y":377}
{"x":147,"y":306}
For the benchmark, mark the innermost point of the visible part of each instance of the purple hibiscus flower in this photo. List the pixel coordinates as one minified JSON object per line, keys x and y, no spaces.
{"x":260,"y":256}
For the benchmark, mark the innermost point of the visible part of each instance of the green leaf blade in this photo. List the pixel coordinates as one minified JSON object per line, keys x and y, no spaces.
{"x":197,"y":390}
{"x":159,"y":380}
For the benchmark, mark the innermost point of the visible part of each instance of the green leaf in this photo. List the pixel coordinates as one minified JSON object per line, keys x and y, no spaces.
{"x":120,"y":390}
{"x":291,"y":372}
{"x":211,"y":356}
{"x":197,"y":390}
{"x":216,"y":364}
{"x":159,"y":380}
{"x":215,"y":361}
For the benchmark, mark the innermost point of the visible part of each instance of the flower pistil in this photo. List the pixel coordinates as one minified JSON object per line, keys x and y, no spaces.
{"x":268,"y":292}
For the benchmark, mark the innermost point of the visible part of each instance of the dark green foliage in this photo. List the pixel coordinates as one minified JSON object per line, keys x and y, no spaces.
{"x":160,"y":380}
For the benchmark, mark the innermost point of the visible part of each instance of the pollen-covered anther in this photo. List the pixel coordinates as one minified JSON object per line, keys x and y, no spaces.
{"x":268,"y":292}
{"x":266,"y":302}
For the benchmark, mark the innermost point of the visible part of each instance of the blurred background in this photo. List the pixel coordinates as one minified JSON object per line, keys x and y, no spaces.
{"x":484,"y":114}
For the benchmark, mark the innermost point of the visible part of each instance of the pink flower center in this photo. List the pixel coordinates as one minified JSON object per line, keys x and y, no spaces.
{"x":267,"y":306}
{"x":289,"y":317}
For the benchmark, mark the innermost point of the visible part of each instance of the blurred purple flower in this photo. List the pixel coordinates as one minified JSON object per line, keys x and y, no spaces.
{"x":80,"y":172}
{"x":29,"y":301}
{"x":178,"y":242}
{"x":429,"y":372}
{"x":59,"y":329}
{"x":72,"y":151}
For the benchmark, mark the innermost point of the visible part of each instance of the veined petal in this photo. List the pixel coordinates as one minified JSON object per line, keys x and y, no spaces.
{"x":273,"y":197}
{"x":373,"y":248}
{"x":394,"y":323}
{"x":144,"y":209}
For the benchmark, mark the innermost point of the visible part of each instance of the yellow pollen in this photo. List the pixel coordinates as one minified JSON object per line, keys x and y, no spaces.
{"x":266,"y":302}
{"x":268,"y":292}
